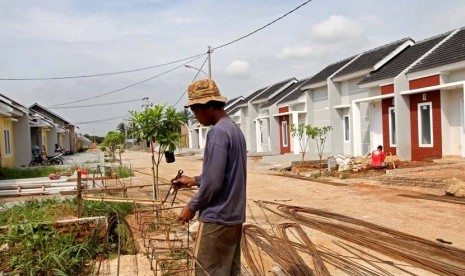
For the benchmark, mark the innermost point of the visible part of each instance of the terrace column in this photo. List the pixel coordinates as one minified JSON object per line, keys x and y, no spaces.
{"x":258,"y":134}
{"x":356,"y":129}
{"x":295,"y":140}
{"x":463,"y":120}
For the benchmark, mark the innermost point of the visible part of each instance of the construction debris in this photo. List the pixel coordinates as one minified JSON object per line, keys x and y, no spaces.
{"x":455,"y":187}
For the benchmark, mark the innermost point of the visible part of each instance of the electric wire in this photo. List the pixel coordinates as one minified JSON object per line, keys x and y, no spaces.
{"x":195,"y":77}
{"x":101,"y":120}
{"x":91,"y":105}
{"x":103,"y":74}
{"x":163,"y":64}
{"x":126,"y":87}
{"x":261,"y":28}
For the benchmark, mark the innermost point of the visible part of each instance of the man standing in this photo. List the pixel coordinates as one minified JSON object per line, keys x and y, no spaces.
{"x":221,"y":198}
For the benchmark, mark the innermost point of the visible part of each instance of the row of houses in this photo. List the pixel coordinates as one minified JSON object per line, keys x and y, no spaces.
{"x":25,"y":127}
{"x":407,"y":96}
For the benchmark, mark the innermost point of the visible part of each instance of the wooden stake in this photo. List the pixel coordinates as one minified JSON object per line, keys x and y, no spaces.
{"x":392,"y":160}
{"x":79,"y":195}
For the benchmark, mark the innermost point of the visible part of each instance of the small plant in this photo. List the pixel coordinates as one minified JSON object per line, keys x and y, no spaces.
{"x":302,"y":132}
{"x":123,"y":172}
{"x":344,"y":174}
{"x":319,"y":135}
{"x":36,"y":247}
{"x":114,"y":141}
{"x":162,"y":128}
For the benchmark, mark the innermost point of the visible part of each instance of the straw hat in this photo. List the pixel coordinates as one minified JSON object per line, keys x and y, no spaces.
{"x":203,"y":91}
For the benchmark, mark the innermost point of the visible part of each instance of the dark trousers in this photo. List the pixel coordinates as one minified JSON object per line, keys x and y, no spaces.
{"x":218,"y":249}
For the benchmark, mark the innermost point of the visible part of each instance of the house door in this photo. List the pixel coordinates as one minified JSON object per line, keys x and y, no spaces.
{"x":284,"y":135}
{"x":377,"y":128}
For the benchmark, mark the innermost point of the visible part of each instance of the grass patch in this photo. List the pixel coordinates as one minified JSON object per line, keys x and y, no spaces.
{"x":35,"y":248}
{"x":123,"y":172}
{"x":18,"y":173}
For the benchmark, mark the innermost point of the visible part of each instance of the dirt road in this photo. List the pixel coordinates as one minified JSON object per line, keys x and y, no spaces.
{"x":376,"y":204}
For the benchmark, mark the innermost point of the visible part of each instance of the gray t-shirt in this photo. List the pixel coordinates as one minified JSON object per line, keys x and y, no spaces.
{"x":221,"y":197}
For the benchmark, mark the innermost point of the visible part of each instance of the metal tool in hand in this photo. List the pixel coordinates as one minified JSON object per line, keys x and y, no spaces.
{"x":180,"y":172}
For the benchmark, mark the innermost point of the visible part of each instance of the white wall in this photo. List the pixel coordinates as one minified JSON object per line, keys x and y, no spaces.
{"x":52,"y":139}
{"x":372,"y":145}
{"x":365,"y":125}
{"x":22,"y":144}
{"x":451,"y":122}
{"x":320,"y":107}
{"x":274,"y":129}
{"x":458,"y":75}
{"x":403,"y":132}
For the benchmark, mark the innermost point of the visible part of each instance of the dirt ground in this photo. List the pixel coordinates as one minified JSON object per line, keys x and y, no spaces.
{"x":360,"y":199}
{"x":372,"y":203}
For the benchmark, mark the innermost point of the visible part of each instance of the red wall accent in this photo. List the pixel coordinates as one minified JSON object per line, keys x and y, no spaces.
{"x":424,"y":82}
{"x":385,"y":105}
{"x":387,"y":89}
{"x":284,"y":149}
{"x":283,"y":109}
{"x":422,"y":153}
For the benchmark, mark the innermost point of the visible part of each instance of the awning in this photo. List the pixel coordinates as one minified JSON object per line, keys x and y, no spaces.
{"x":447,"y":86}
{"x":341,"y":106}
{"x":374,"y":98}
{"x":262,"y":117}
{"x":289,"y":113}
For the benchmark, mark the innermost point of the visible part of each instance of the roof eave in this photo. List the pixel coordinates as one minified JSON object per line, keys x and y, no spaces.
{"x":377,"y":83}
{"x":314,"y":85}
{"x":353,"y":75}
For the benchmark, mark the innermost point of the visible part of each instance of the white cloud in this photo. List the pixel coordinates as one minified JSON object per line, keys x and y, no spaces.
{"x":182,"y":20}
{"x":238,"y":67}
{"x":336,"y":27}
{"x":296,"y":52}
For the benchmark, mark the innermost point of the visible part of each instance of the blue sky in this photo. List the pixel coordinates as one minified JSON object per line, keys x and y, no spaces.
{"x":43,"y":39}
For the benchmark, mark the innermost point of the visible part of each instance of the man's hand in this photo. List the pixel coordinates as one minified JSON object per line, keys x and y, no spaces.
{"x":184,"y":182}
{"x":186,"y":215}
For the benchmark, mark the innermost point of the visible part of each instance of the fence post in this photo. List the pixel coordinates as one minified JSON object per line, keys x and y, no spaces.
{"x":79,"y":195}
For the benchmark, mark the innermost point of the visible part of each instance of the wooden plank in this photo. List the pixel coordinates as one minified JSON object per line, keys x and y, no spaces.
{"x":94,"y":178}
{"x":94,"y":191}
{"x":127,"y":200}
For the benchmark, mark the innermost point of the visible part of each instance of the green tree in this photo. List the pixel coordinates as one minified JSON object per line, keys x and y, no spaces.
{"x":302,"y":132}
{"x":161,"y":127}
{"x":114,"y":141}
{"x":319,"y":134}
{"x":187,"y":116}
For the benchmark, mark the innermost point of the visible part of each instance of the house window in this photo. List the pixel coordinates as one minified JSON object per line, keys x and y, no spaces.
{"x":346,"y":128}
{"x":6,"y":138}
{"x":284,"y":133}
{"x":425,"y":125}
{"x":392,"y":126}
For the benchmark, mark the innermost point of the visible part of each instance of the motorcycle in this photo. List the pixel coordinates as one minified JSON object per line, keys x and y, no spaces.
{"x":50,"y":160}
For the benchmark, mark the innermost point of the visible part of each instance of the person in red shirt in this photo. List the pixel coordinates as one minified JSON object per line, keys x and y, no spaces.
{"x":377,"y":158}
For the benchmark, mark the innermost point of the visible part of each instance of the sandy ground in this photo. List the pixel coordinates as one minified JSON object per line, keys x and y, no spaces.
{"x":373,"y":203}
{"x":360,"y":199}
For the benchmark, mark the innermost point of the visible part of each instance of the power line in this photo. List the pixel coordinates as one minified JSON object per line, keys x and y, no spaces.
{"x":90,"y":105}
{"x":263,"y":27}
{"x":101,"y":120}
{"x":126,"y":87}
{"x":163,"y":64}
{"x":245,"y":36}
{"x":102,"y":74}
{"x":195,"y":77}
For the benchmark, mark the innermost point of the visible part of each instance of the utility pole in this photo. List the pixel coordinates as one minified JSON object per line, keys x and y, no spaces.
{"x":210,"y":51}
